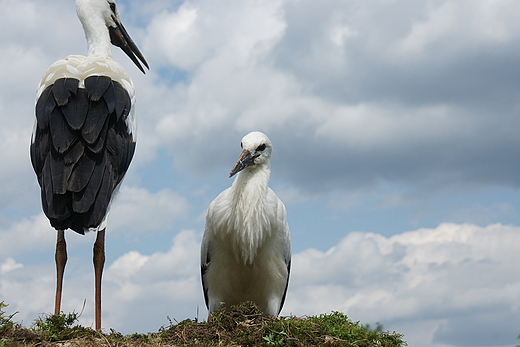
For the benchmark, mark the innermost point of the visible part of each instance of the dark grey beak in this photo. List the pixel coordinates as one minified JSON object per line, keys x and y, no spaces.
{"x":120,"y":38}
{"x":246,"y":159}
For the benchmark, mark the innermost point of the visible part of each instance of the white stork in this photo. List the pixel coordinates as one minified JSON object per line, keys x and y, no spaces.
{"x":84,"y":135}
{"x":246,"y":247}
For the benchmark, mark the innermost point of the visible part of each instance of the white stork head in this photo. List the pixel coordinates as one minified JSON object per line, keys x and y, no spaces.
{"x":256,"y":153}
{"x":102,"y":25}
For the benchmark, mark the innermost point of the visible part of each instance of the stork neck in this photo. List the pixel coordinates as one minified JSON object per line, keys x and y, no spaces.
{"x":97,"y":35}
{"x":251,"y":183}
{"x":247,"y":210}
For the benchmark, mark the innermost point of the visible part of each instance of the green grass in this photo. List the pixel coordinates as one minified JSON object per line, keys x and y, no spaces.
{"x":6,"y":321}
{"x":6,"y":324}
{"x":59,"y":327}
{"x":240,"y":325}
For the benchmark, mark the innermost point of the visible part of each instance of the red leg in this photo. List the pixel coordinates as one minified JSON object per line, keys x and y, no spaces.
{"x":61,"y":259}
{"x":99,"y":262}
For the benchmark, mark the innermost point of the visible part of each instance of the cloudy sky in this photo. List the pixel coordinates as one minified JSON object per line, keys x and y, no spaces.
{"x":395,"y":131}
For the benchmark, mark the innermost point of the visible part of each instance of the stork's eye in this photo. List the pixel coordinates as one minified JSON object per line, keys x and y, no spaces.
{"x":113,"y":7}
{"x":260,"y":148}
{"x":241,"y":146}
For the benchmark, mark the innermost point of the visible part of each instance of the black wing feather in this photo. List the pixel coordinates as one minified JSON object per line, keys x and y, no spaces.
{"x":39,"y":149}
{"x":60,"y":173}
{"x":123,"y":159}
{"x":46,"y":184}
{"x":54,"y":207}
{"x":44,"y":107}
{"x":110,"y":98}
{"x":63,"y":88}
{"x":101,"y":141}
{"x":81,"y":173}
{"x":62,"y":136}
{"x":74,"y":154}
{"x":76,"y":110}
{"x":122,"y":148}
{"x":123,"y":103}
{"x":81,"y":149}
{"x":96,"y":118}
{"x":286,"y":286}
{"x":103,"y":197}
{"x":83,"y":200}
{"x":203,"y":269}
{"x":96,"y":86}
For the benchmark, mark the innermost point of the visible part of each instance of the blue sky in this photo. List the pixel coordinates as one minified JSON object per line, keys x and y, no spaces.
{"x":394,"y":126}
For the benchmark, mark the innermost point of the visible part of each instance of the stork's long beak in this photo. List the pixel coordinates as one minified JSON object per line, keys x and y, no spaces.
{"x":120,"y":38}
{"x":246,"y":159}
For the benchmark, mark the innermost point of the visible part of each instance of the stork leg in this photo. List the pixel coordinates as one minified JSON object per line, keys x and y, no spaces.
{"x":61,"y":259}
{"x":99,"y":263}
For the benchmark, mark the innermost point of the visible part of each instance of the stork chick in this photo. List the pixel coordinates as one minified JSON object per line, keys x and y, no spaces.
{"x":246,"y":248}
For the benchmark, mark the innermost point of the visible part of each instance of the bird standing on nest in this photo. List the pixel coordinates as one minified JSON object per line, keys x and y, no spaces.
{"x":84,"y":136}
{"x":246,"y":249}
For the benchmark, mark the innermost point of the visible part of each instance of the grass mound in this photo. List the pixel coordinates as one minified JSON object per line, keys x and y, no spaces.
{"x":245,"y":325}
{"x":240,"y":325}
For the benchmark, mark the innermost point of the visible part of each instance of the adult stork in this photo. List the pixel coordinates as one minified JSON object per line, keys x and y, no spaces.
{"x":84,"y":136}
{"x":246,"y":247}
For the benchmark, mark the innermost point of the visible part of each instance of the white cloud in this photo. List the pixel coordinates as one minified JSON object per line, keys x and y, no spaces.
{"x":9,"y":265}
{"x":171,"y":33}
{"x":27,"y":289}
{"x":143,"y":290}
{"x":347,"y":86}
{"x":200,"y":32}
{"x":437,"y":28}
{"x":434,"y":276}
{"x":27,"y":235}
{"x":137,"y":210}
{"x":456,"y":27}
{"x":365,"y":127}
